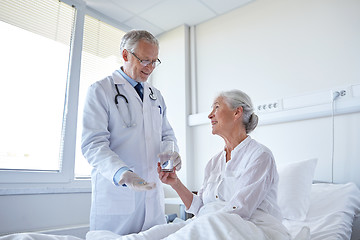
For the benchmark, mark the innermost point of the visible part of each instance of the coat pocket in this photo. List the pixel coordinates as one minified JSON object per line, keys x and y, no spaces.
{"x":115,"y":200}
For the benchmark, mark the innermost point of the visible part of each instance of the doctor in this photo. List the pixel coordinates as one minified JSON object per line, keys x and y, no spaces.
{"x":124,"y":122}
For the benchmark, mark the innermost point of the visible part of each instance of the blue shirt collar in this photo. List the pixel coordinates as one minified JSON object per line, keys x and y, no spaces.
{"x":129,"y":79}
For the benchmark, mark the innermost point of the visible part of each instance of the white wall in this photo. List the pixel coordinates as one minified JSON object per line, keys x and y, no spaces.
{"x":271,"y":50}
{"x":280,"y":48}
{"x":41,"y":212}
{"x":171,"y":79}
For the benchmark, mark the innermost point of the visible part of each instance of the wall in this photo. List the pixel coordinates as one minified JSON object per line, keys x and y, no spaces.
{"x":45,"y":212}
{"x":276,"y":49}
{"x":172,"y":79}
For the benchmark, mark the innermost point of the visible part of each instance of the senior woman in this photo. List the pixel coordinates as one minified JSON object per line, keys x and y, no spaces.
{"x":243,"y":175}
{"x":238,"y":198}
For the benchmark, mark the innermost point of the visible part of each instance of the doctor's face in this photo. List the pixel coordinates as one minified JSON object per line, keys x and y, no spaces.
{"x":132,"y":66}
{"x":222,"y":118}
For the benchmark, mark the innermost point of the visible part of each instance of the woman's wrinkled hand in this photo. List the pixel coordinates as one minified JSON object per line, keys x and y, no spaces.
{"x":169,"y":178}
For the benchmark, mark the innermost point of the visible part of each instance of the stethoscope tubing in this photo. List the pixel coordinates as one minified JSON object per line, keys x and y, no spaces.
{"x":151,"y":96}
{"x":119,"y":95}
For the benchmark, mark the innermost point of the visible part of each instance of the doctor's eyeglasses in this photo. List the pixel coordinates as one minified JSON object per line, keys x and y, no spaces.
{"x":147,"y":62}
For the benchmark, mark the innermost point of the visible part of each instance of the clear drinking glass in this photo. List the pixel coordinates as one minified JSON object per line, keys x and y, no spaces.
{"x":166,"y":151}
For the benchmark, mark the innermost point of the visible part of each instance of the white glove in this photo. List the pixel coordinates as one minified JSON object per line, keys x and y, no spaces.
{"x":133,"y":181}
{"x":175,"y":158}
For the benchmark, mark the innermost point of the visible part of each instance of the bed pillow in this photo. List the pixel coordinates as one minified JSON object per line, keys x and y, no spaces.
{"x":295,"y":180}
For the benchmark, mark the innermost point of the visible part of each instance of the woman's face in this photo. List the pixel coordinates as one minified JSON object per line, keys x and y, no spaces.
{"x":222,"y":117}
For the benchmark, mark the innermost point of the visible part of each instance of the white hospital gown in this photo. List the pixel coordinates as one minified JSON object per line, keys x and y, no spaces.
{"x":246,"y":183}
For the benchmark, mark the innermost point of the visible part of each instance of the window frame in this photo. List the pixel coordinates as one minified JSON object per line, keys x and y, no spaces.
{"x":63,"y":181}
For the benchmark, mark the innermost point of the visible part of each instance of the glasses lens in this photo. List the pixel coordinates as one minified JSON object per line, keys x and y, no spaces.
{"x":147,"y":62}
{"x":157,"y":62}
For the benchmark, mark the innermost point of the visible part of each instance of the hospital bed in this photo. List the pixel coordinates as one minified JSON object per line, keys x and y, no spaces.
{"x":319,"y":211}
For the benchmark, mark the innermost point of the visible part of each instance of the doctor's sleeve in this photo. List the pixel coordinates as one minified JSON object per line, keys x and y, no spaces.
{"x":95,"y":134}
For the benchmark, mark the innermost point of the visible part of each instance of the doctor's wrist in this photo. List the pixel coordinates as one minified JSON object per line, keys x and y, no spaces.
{"x":119,"y":175}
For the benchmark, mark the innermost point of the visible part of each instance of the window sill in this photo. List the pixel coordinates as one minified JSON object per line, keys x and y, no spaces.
{"x":76,"y":186}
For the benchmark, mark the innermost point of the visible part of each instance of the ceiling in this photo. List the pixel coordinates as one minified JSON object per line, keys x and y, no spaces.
{"x":158,"y":16}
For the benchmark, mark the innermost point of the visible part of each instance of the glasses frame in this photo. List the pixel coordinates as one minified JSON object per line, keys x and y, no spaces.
{"x":145,"y":63}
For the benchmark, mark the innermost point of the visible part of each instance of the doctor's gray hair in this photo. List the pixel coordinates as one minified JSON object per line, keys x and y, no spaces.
{"x":131,"y":39}
{"x":236,"y":98}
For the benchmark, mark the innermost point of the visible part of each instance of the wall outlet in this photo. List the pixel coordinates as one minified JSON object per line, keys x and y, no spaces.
{"x":341,"y":94}
{"x":268,"y":106}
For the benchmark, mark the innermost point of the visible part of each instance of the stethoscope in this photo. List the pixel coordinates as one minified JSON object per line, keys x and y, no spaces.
{"x":130,"y":124}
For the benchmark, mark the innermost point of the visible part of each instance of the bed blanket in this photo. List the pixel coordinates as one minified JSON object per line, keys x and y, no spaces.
{"x":212,"y":226}
{"x":37,"y":236}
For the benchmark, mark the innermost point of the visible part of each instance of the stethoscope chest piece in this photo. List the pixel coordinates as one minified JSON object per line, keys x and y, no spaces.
{"x":151,"y":95}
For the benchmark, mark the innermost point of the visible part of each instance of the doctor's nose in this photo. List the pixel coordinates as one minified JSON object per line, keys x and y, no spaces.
{"x":149,"y":68}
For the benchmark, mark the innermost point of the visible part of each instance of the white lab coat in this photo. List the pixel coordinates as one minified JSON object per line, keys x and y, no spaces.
{"x":108,"y":145}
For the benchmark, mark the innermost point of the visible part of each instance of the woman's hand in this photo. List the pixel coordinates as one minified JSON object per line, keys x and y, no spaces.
{"x":172,"y":179}
{"x":169,"y":178}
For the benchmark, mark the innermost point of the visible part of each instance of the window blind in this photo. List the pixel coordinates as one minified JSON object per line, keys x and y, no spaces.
{"x":35,"y":45}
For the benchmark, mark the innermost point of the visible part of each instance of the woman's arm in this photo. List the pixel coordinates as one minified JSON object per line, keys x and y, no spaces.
{"x":171,"y":179}
{"x":254,"y":184}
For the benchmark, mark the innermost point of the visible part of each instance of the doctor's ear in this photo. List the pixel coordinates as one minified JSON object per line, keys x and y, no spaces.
{"x":125,"y":55}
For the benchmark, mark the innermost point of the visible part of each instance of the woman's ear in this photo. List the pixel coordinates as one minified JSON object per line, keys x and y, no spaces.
{"x":238,"y":112}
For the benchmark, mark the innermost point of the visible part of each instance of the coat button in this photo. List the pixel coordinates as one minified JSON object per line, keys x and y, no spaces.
{"x":234,"y":207}
{"x":216,"y":196}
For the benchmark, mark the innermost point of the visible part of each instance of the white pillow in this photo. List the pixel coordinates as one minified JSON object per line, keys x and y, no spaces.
{"x":295,"y":180}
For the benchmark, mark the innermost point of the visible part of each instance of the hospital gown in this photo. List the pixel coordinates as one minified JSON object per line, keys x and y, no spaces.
{"x":247,"y":182}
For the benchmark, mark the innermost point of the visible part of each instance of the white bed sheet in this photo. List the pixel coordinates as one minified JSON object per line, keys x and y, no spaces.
{"x":331,"y":212}
{"x":37,"y":236}
{"x":330,"y":216}
{"x":211,"y":226}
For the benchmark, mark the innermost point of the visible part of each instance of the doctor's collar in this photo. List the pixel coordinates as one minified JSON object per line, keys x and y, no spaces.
{"x":129,"y":79}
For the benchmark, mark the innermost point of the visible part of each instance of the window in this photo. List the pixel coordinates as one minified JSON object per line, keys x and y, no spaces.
{"x":37,"y":97}
{"x":34,"y":61}
{"x":100,"y":57}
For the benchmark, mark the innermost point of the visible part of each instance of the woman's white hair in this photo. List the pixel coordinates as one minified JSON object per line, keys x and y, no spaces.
{"x":236,"y":98}
{"x":131,"y":39}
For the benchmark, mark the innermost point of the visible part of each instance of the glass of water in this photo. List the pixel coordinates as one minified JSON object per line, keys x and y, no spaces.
{"x":166,"y":151}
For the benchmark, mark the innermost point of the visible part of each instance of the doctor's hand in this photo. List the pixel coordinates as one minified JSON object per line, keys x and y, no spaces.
{"x":175,"y":158}
{"x":136,"y":183}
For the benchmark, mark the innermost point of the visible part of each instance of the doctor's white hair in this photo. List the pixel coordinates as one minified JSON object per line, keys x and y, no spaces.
{"x":236,"y":98}
{"x":131,"y":39}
